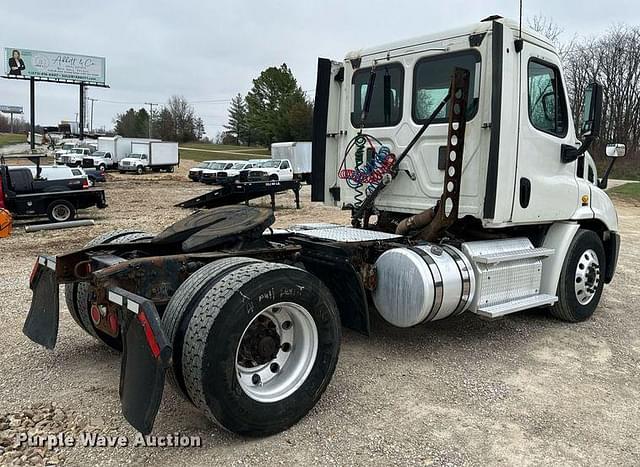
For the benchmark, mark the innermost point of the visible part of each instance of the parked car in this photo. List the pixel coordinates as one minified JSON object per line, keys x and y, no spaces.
{"x":273,"y":169}
{"x":194,"y":173}
{"x":95,"y":176}
{"x":210,"y":174}
{"x":232,"y":174}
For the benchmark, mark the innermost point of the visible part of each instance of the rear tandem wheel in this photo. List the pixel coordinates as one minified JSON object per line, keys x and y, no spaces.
{"x":258,"y":345}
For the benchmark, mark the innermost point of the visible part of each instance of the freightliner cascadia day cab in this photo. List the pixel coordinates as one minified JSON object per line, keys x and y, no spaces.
{"x":470,"y":190}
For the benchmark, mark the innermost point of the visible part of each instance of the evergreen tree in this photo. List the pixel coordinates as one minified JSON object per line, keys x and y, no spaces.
{"x":237,"y":125}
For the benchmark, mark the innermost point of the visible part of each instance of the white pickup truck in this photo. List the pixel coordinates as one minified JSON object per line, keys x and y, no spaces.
{"x":270,"y":170}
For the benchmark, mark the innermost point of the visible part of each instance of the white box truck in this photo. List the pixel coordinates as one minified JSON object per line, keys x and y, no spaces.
{"x":112,"y":149}
{"x":299,"y":155}
{"x":154,"y":155}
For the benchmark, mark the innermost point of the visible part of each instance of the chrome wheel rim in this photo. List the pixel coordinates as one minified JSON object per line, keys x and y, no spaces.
{"x":61,"y":212}
{"x":587,"y":277}
{"x":276,"y":352}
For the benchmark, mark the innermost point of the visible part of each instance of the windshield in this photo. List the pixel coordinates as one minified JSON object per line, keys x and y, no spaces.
{"x":203,"y":165}
{"x":239,"y":166}
{"x":68,"y":146}
{"x":217,"y":165}
{"x":77,"y":151}
{"x":270,"y":164}
{"x":135,"y":156}
{"x":98,"y":154}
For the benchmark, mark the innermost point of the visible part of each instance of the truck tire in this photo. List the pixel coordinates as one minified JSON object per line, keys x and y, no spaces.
{"x":180,"y":308}
{"x":61,"y":210}
{"x":581,"y":280}
{"x":261,"y":348}
{"x":77,"y":294}
{"x":273,"y":177}
{"x":139,"y":170}
{"x":102,"y":168}
{"x":171,"y":169}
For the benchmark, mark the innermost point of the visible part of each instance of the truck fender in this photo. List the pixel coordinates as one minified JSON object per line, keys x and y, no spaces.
{"x":558,"y":237}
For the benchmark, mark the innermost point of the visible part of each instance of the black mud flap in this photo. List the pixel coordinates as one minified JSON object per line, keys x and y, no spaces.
{"x":146,"y":355}
{"x":41,"y":325}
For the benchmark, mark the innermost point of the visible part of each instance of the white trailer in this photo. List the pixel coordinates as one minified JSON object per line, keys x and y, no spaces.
{"x":299,"y":155}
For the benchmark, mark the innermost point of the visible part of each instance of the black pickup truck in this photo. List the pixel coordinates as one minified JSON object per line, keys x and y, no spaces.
{"x":25,"y":195}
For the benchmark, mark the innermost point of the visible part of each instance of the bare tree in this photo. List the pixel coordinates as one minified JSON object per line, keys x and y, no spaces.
{"x":552,"y":31}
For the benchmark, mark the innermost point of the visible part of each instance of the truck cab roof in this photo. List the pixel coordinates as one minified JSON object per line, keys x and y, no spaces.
{"x":438,"y":41}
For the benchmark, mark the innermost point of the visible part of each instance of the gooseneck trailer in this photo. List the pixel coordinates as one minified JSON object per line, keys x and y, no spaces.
{"x":456,"y":155}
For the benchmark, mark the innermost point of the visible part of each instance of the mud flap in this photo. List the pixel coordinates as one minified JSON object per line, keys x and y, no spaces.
{"x":41,"y":325}
{"x":146,"y":355}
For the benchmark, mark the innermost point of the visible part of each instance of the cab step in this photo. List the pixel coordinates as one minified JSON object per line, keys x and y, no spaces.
{"x":501,"y":309}
{"x":513,"y":255}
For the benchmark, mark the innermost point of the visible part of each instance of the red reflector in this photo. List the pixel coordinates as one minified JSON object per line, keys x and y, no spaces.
{"x":113,"y":322}
{"x":95,"y":314}
{"x":33,"y":272}
{"x":148,"y":332}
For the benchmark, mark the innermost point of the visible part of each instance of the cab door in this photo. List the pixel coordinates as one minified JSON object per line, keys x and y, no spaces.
{"x":546,"y":188}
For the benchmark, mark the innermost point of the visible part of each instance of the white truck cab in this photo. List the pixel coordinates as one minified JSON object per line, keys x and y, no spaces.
{"x":381,"y":147}
{"x":134,"y":163}
{"x":274,"y":169}
{"x":210,"y":174}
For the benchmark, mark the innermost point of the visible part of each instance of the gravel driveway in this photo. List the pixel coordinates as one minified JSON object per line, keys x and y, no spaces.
{"x":523,"y":390}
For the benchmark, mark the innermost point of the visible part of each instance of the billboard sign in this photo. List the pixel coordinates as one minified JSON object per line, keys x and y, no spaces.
{"x":54,"y":66}
{"x":10,"y":109}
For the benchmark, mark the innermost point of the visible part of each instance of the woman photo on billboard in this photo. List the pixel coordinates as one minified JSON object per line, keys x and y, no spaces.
{"x":16,"y":64}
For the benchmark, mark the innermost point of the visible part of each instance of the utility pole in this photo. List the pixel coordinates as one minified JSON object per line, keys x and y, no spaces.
{"x":150,"y":104}
{"x":91,"y":118}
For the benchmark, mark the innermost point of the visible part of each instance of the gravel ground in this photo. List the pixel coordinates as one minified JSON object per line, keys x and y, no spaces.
{"x":525,"y":390}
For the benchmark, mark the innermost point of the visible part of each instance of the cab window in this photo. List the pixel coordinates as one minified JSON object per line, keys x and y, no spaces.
{"x":284,"y":165}
{"x":547,"y":105}
{"x":432,"y":79}
{"x":386,"y":101}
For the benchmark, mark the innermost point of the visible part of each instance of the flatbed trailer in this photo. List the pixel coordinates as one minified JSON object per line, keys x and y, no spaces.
{"x":242,"y":192}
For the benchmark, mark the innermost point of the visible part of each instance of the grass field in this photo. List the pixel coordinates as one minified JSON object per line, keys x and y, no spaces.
{"x":9,"y":138}
{"x":628,"y":191}
{"x":204,"y":151}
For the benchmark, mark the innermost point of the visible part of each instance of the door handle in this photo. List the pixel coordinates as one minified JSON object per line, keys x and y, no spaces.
{"x":525,"y":192}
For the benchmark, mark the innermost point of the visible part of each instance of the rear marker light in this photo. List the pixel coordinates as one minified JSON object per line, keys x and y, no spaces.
{"x":148,"y":332}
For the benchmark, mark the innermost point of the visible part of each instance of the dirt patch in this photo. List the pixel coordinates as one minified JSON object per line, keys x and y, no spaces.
{"x":523,"y":390}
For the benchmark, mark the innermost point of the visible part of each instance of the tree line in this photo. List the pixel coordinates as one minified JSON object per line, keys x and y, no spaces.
{"x":613,"y":60}
{"x":275,"y":109}
{"x":175,"y":121}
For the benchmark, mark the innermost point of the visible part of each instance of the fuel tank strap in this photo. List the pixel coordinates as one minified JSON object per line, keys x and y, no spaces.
{"x":437,"y":281}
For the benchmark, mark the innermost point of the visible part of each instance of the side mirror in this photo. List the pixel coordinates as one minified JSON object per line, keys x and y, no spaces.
{"x":613,"y":151}
{"x":616,"y":150}
{"x":591,"y":111}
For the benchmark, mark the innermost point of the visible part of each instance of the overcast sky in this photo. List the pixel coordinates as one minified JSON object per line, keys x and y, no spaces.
{"x":211,"y":50}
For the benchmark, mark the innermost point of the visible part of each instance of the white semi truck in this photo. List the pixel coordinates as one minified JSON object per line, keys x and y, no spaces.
{"x":470,"y":191}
